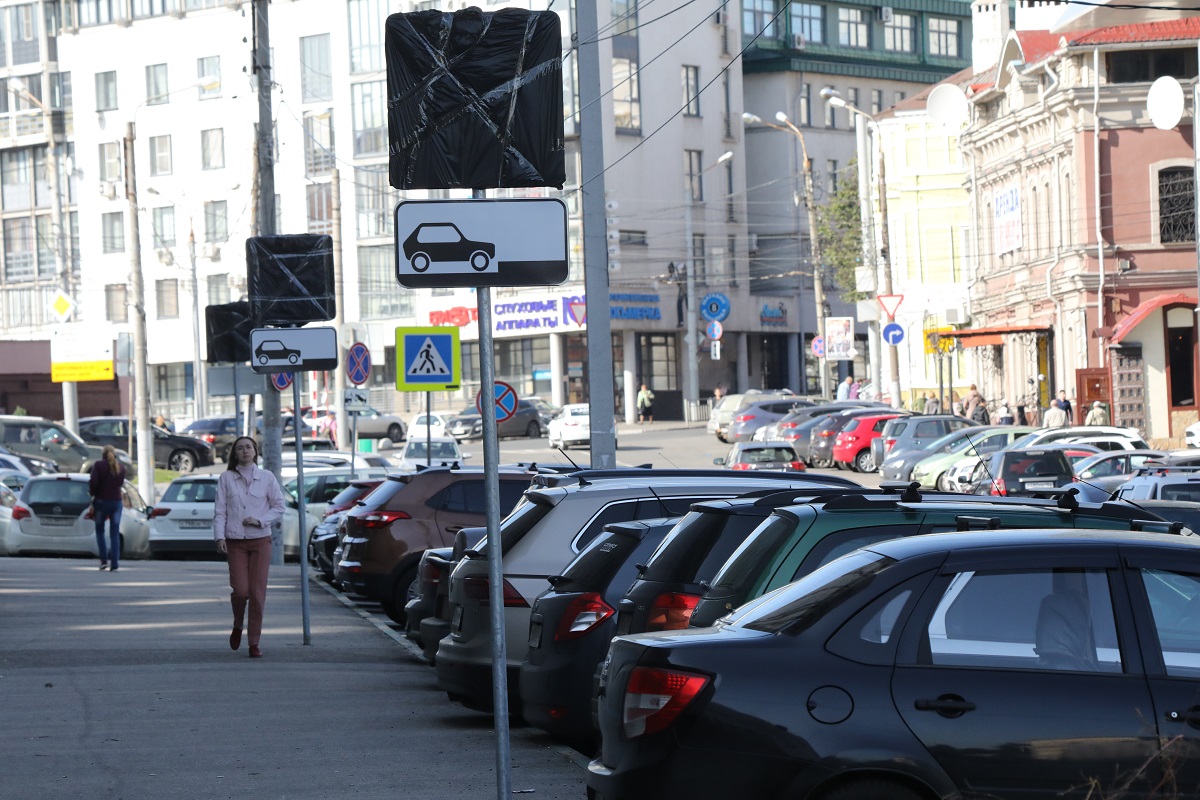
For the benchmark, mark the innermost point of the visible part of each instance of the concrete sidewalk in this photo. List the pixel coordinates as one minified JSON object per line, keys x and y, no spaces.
{"x":122,"y":685}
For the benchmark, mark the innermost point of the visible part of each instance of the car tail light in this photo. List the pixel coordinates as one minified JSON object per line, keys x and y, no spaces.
{"x":740,"y":466}
{"x":744,"y":418}
{"x":431,"y":574}
{"x":21,"y":512}
{"x":582,"y":616}
{"x":848,"y":438}
{"x":826,"y":433}
{"x":159,"y":512}
{"x":477,"y":589}
{"x":671,"y":611}
{"x":998,"y":487}
{"x":798,"y":466}
{"x":655,"y":697}
{"x":887,"y":443}
{"x":380,"y":519}
{"x":209,"y":437}
{"x":787,"y":425}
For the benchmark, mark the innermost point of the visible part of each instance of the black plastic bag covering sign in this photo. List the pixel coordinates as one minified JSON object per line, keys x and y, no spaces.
{"x":475,"y":99}
{"x":228,"y":329}
{"x":290,"y":279}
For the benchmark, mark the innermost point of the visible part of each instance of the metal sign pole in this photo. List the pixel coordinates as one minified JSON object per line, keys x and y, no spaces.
{"x":303,"y":535}
{"x":353,"y":441}
{"x":428,"y":428}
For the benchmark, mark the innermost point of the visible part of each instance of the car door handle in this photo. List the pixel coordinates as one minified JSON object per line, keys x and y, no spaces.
{"x":1191,"y":716}
{"x":948,"y":705}
{"x":454,"y":528}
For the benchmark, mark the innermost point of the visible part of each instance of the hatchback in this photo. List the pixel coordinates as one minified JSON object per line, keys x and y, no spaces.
{"x":888,"y":674}
{"x":824,"y":436}
{"x":761,"y":455}
{"x":1023,"y":472}
{"x":53,"y":515}
{"x":852,"y":445}
{"x":907,"y":440}
{"x":934,"y":471}
{"x":755,"y":413}
{"x":721,"y":416}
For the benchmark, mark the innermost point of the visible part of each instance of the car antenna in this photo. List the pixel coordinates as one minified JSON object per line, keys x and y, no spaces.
{"x":669,"y":461}
{"x":567,"y":457}
{"x":661,"y":502}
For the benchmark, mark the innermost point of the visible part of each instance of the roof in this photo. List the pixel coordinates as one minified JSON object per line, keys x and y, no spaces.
{"x":1186,"y":29}
{"x":1139,"y":314}
{"x":990,"y":335}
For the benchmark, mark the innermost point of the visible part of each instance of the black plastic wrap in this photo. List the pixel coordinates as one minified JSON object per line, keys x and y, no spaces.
{"x":475,"y":99}
{"x":290,"y":279}
{"x":228,"y":329}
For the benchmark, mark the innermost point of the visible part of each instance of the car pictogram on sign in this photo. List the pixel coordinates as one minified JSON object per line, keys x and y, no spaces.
{"x":443,"y":242}
{"x":273,"y":350}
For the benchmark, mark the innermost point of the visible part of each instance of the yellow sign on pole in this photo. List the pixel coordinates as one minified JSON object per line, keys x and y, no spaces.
{"x":428,"y":359}
{"x":78,"y":356}
{"x":938,"y":340}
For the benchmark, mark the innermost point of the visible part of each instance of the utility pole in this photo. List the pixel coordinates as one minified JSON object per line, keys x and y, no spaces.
{"x":339,"y":319}
{"x":141,"y":366}
{"x":885,"y":258}
{"x":814,"y":246}
{"x":198,"y":378}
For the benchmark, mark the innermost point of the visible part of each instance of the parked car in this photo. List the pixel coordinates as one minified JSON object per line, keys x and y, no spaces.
{"x":557,"y":521}
{"x":1162,"y":483}
{"x":220,"y":432}
{"x":908,"y":440}
{"x":934,"y":470}
{"x":14,"y":479}
{"x":431,"y":451}
{"x":823,"y":438}
{"x":41,"y":439}
{"x":755,"y":413}
{"x":1191,"y":435}
{"x":1022,"y":472}
{"x":171,"y":451}
{"x":468,"y":424}
{"x":435,"y":421}
{"x":888,"y":674}
{"x":778,"y":429}
{"x":8,"y":500}
{"x":760,"y":456}
{"x":323,"y":486}
{"x":1047,"y":435}
{"x":53,"y":516}
{"x":407,"y":514}
{"x":852,"y":445}
{"x":28,"y":465}
{"x":723,"y":412}
{"x":371,"y":423}
{"x":570,"y":426}
{"x":426,"y":620}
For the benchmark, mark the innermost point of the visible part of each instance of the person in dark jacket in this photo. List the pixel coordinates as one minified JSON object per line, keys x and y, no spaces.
{"x":105,"y":485}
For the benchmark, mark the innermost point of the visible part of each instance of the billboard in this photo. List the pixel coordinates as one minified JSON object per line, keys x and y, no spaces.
{"x":839,"y":338}
{"x":1006,"y":220}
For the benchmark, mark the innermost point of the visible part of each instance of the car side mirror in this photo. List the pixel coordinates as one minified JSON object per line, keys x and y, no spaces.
{"x":466,"y":455}
{"x":719,"y":461}
{"x":964,"y":478}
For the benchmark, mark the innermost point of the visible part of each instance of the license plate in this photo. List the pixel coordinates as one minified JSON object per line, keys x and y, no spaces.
{"x":535,"y":634}
{"x":1040,"y":485}
{"x":192,"y":524}
{"x":58,"y":522}
{"x":456,"y":619}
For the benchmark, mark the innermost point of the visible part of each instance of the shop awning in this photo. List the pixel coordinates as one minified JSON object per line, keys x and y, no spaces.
{"x":993,"y":334}
{"x":1139,"y":314}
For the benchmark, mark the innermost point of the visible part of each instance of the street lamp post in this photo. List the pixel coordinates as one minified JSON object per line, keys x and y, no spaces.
{"x":691,"y":411}
{"x":787,"y":126}
{"x":882,"y":253}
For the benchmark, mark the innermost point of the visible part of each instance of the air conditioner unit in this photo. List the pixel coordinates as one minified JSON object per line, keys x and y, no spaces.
{"x":719,"y":18}
{"x":885,"y":14}
{"x":955,"y":316}
{"x":798,"y":41}
{"x":211,"y":251}
{"x":109,"y":189}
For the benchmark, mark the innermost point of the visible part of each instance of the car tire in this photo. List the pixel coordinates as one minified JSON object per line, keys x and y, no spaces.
{"x":395,"y":432}
{"x":420,"y":262}
{"x":864,"y":461}
{"x":533,"y":430}
{"x":554,"y":446}
{"x":943,"y":483}
{"x":480,"y":260}
{"x":871,"y":789}
{"x":182,"y":461}
{"x":399,"y":599}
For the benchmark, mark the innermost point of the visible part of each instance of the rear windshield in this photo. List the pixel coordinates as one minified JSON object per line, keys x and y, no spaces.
{"x":1180,"y":491}
{"x":191,"y":492}
{"x":602,"y":559}
{"x":386,"y":491}
{"x":352,"y":493}
{"x":1035,"y":462}
{"x":768,"y":455}
{"x":699,"y":545}
{"x":852,"y":425}
{"x":74,"y":493}
{"x":894,"y":429}
{"x":752,"y":556}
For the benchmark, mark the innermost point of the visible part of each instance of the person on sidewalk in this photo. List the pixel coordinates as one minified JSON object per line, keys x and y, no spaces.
{"x":645,"y":405}
{"x":1098,"y":415}
{"x":104,"y":485}
{"x":932,"y":406}
{"x":1055,"y":417}
{"x":249,"y":502}
{"x":1065,"y":405}
{"x":843,"y":390}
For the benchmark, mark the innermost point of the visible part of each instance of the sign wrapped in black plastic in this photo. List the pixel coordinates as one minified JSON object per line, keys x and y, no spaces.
{"x":475,"y":99}
{"x":228,"y":329}
{"x":290,"y":279}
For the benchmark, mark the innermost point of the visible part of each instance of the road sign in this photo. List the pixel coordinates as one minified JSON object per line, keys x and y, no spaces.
{"x":358,"y":364}
{"x":818,"y":346}
{"x":715,"y":330}
{"x":512,"y":242}
{"x":354,"y":399}
{"x":428,"y":359}
{"x":715,"y":348}
{"x":893,"y":334}
{"x":281,"y":380}
{"x":62,"y":306}
{"x":79,"y":353}
{"x":506,"y":401}
{"x":890,"y":303}
{"x":714,"y":307}
{"x":287,"y":349}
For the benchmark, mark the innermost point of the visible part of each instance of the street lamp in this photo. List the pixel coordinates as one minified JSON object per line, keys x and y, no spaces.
{"x":814,"y":242}
{"x":692,"y":400}
{"x":862,"y":122}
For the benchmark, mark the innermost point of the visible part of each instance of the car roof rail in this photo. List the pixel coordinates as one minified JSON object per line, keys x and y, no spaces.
{"x":585,"y":476}
{"x":1157,"y":525}
{"x":771,"y":498}
{"x":969,"y":523}
{"x":1159,"y":468}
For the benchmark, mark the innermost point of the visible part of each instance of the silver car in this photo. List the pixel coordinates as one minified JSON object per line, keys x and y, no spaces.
{"x":372,"y":423}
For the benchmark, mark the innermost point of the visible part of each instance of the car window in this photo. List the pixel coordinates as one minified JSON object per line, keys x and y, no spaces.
{"x":699,"y":545}
{"x":192,"y":492}
{"x":1179,"y":491}
{"x":67,"y":492}
{"x":461,"y":497}
{"x":879,"y":425}
{"x":1052,"y":620}
{"x":958,"y":424}
{"x":1175,"y":606}
{"x":869,"y":636}
{"x":7,"y":498}
{"x":928,"y":429}
{"x":894,"y":429}
{"x":838,"y":544}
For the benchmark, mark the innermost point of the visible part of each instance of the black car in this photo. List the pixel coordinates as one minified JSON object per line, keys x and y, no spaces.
{"x":171,"y":450}
{"x":525,"y":421}
{"x":572,"y":623}
{"x":1022,"y":473}
{"x":889,"y":674}
{"x":434,"y":242}
{"x":275,"y":350}
{"x":220,"y":432}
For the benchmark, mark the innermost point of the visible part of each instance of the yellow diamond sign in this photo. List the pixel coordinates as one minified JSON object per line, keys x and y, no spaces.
{"x":62,"y":306}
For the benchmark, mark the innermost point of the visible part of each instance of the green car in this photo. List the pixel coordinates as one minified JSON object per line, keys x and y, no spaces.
{"x":931,"y":471}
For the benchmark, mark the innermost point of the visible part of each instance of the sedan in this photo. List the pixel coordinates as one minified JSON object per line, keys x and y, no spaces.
{"x":182,"y":522}
{"x":177,"y":452}
{"x":53,"y":515}
{"x":571,"y":426}
{"x":370,"y":423}
{"x":761,"y":455}
{"x":525,"y":421}
{"x":888,"y":675}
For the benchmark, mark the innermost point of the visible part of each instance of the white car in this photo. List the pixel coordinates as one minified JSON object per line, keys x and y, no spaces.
{"x":52,"y":515}
{"x":1044,"y":436}
{"x":571,"y":426}
{"x":8,"y":499}
{"x":429,"y":452}
{"x":962,"y":469}
{"x":1191,"y":435}
{"x":330,"y":459}
{"x":435,"y":421}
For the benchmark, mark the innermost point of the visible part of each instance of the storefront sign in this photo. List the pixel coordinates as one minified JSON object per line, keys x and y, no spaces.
{"x":530,"y":314}
{"x":1006,"y":220}
{"x":776,"y":317}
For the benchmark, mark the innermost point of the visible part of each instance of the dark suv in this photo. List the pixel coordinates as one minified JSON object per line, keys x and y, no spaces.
{"x":527,"y":421}
{"x":1022,"y":473}
{"x":171,"y":451}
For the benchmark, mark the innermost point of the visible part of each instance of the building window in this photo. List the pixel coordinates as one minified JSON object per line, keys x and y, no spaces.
{"x":320,"y":202}
{"x":164,"y":226}
{"x":633,"y":238}
{"x":218,"y":289}
{"x":116,"y":306}
{"x":212,"y":148}
{"x":852,"y":97}
{"x":876,"y":101}
{"x":216,"y":221}
{"x":160,"y":155}
{"x":853,"y":30}
{"x":156,"y":85}
{"x":900,"y":97}
{"x":699,"y":249}
{"x":627,"y":103}
{"x":316,"y":69}
{"x":60,"y":90}
{"x":106,"y":91}
{"x":691,"y":91}
{"x":831,"y":181}
{"x":25,"y":37}
{"x":1146,"y":66}
{"x":808,"y":20}
{"x":1181,"y":355}
{"x":758,"y":16}
{"x":944,"y":37}
{"x":379,"y":296}
{"x":366,"y":35}
{"x":149,"y":8}
{"x":47,"y":266}
{"x":804,"y":106}
{"x":693,"y":186}
{"x":1176,"y":205}
{"x":374,"y":203}
{"x":830,"y":113}
{"x":19,"y":256}
{"x":112,"y":229}
{"x":166,"y":298}
{"x":318,"y":142}
{"x":369,"y":111}
{"x":899,"y":34}
{"x":95,"y":12}
{"x":110,"y":161}
{"x":208,"y":72}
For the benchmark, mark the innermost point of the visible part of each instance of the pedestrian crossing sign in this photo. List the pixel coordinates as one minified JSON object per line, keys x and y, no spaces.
{"x":428,"y":359}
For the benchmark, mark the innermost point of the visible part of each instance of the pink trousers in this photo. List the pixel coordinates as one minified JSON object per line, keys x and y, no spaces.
{"x":249,"y":560}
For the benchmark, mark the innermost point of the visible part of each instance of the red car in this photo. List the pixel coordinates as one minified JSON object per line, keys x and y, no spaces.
{"x":852,"y":447}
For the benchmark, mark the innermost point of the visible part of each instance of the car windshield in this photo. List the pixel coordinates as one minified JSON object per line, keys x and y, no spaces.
{"x":191,"y":492}
{"x":418,"y":450}
{"x":68,"y":492}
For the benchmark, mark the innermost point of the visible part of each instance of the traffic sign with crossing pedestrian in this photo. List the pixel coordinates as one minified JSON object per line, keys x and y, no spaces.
{"x":358,"y":364}
{"x":429,"y":359}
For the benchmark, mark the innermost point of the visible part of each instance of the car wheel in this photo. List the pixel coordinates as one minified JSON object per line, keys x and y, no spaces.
{"x":419,"y":262}
{"x":943,"y":483}
{"x":533,"y":431}
{"x":395,"y":432}
{"x":480,"y":261}
{"x":399,"y":599}
{"x":181,"y":461}
{"x":864,"y":461}
{"x":871,"y":789}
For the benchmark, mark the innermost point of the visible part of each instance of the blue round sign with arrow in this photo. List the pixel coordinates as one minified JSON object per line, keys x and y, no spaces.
{"x":893,"y":333}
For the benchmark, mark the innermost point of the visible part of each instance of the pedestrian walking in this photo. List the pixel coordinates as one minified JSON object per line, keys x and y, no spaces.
{"x":855,"y":389}
{"x":1065,"y":405}
{"x":1055,"y":417}
{"x":249,"y":502}
{"x":972,"y":399}
{"x":105,"y":485}
{"x":1098,"y":415}
{"x":645,"y":405}
{"x":843,"y":390}
{"x":931,"y":404}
